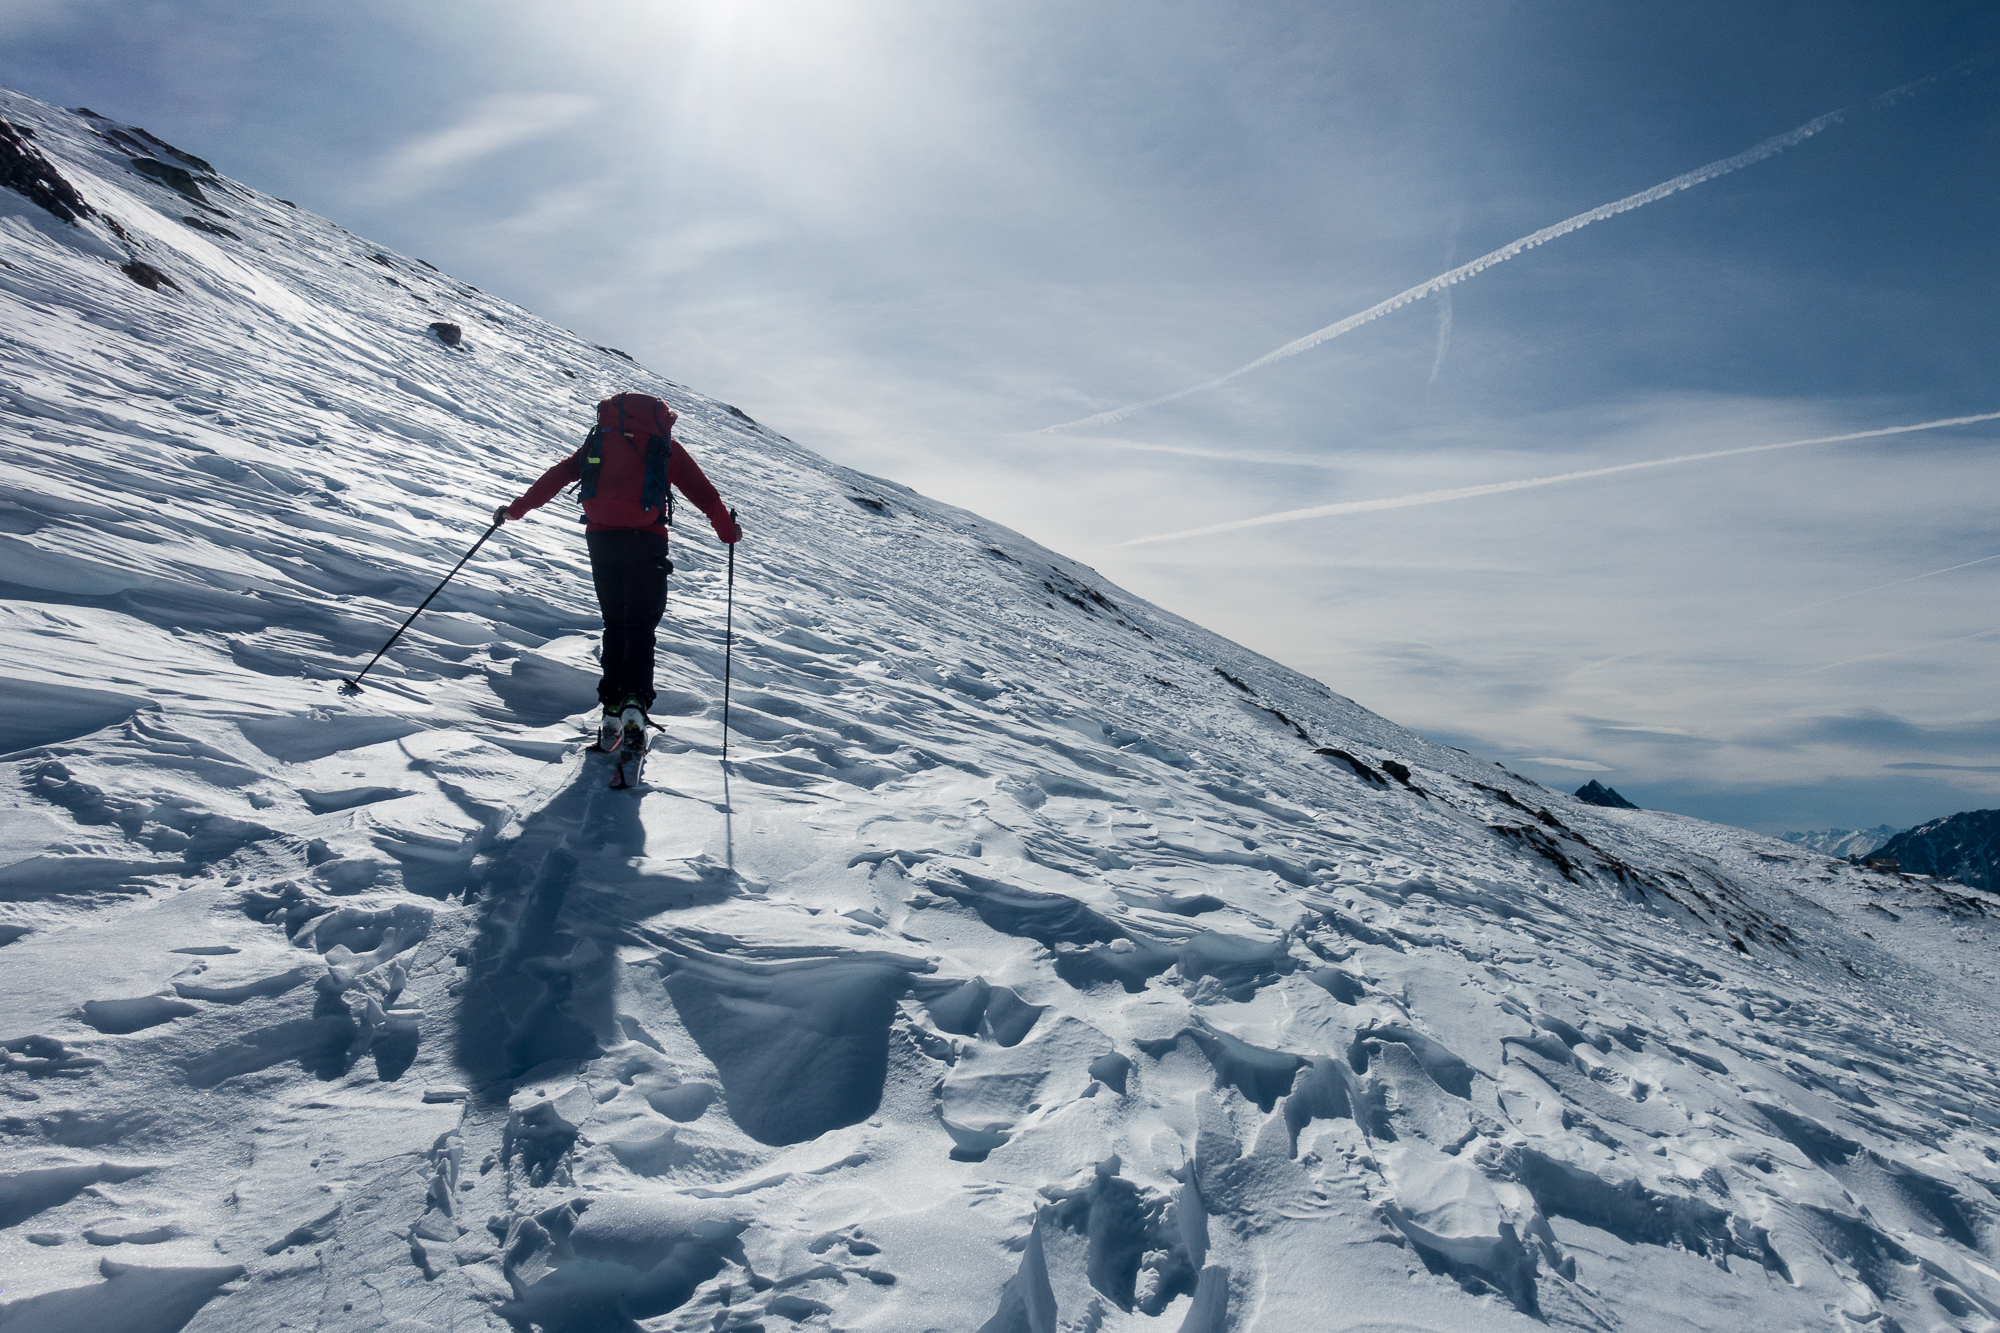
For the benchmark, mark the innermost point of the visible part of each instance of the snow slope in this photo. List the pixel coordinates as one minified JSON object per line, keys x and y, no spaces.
{"x":1038,"y":961}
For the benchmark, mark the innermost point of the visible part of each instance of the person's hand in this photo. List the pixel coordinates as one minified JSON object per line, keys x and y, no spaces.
{"x":501,"y":515}
{"x":729,"y":530}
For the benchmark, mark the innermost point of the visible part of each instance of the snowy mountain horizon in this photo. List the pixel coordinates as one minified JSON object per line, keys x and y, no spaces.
{"x":1842,"y":841}
{"x":1038,"y":960}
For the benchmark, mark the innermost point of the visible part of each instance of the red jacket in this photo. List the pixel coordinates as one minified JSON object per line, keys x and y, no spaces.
{"x":683,"y":473}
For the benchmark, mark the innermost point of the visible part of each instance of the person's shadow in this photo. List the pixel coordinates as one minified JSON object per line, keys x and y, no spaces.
{"x":539,"y":985}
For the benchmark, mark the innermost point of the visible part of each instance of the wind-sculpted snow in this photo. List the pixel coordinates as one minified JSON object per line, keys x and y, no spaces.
{"x":1039,"y":961}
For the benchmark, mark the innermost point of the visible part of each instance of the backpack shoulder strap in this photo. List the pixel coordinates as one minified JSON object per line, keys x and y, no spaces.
{"x":659,"y":476}
{"x":593,"y":462}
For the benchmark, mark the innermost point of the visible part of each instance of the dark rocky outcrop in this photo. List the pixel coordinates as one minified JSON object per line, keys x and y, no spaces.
{"x":140,"y":143}
{"x":24,"y":170}
{"x":1596,"y":793}
{"x":1964,"y":847}
{"x":212,"y":228}
{"x":147,"y":276}
{"x":173,"y":177}
{"x":1361,"y":769}
{"x":448,"y":334}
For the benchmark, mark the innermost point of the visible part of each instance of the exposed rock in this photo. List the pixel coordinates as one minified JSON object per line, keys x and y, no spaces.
{"x":147,"y":276}
{"x":1361,"y":769}
{"x":1964,"y":847}
{"x":448,"y":334}
{"x":173,"y":177}
{"x":203,"y":224}
{"x":117,"y":134}
{"x":1596,"y":793}
{"x":25,"y":170}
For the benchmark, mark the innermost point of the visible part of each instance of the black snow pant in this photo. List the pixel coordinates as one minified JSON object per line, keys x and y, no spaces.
{"x":630,"y":568}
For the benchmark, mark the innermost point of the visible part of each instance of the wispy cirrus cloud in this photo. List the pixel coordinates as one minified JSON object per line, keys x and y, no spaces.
{"x":1530,"y":483}
{"x":495,"y":124}
{"x":1947,"y":768}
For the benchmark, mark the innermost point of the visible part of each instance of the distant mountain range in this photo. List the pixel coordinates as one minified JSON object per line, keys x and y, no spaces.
{"x":1843,"y":841}
{"x":1964,"y":847}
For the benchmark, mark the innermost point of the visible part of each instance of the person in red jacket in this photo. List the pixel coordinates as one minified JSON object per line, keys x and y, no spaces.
{"x":626,"y":466}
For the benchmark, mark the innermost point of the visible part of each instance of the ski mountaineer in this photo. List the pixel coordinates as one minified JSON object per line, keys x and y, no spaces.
{"x":629,"y":464}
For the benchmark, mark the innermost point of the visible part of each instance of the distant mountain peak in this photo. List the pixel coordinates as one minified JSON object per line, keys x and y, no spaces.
{"x":1843,"y":841}
{"x":1964,"y":847}
{"x":1596,"y":793}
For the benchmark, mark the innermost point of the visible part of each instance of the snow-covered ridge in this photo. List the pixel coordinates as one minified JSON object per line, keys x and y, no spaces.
{"x":1842,"y":841}
{"x":1039,"y":961}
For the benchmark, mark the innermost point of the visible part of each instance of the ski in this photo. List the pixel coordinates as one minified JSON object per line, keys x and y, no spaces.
{"x":626,"y":768}
{"x":628,"y":755}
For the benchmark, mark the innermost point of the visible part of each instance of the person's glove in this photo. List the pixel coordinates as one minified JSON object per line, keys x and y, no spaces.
{"x":728,"y":529}
{"x":501,"y":515}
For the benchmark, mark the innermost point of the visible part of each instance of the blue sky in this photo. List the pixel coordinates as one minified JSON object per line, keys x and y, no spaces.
{"x":913,"y":235}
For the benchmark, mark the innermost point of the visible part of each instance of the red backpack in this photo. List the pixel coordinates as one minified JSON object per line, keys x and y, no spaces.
{"x":626,"y":458}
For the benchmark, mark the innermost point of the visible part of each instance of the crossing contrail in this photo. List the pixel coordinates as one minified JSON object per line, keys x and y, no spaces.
{"x":1444,"y":305}
{"x":1770,"y":147}
{"x":1502,"y":487}
{"x":1896,"y":583}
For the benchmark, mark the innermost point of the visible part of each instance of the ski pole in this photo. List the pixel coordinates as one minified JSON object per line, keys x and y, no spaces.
{"x":354,"y":681}
{"x":729,"y":639}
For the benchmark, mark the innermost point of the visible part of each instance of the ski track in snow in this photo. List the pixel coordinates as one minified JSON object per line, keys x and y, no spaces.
{"x":1040,"y":961}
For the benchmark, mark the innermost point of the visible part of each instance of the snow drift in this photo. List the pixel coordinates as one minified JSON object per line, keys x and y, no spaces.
{"x":1039,"y":961}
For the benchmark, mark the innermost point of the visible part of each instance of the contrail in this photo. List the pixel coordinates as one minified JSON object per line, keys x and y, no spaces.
{"x":1750,"y":156}
{"x":1501,"y":487}
{"x":1444,"y":339}
{"x":1896,"y":583}
{"x":1909,"y":648}
{"x":1800,"y":610}
{"x":1444,"y":306}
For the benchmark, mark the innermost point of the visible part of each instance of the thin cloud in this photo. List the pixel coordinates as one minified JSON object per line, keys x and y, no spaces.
{"x":1324,"y":462}
{"x":1501,"y":487}
{"x":1770,"y":147}
{"x":1444,"y":305}
{"x":1580,"y":765}
{"x":1895,"y":583}
{"x":497,"y":123}
{"x":1912,"y":648}
{"x":1955,"y":768}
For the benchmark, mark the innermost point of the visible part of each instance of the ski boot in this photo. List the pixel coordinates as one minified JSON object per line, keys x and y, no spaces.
{"x":631,"y":743}
{"x":610,"y":729}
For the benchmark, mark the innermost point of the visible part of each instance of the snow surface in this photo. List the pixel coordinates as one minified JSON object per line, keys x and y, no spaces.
{"x":1039,"y":960}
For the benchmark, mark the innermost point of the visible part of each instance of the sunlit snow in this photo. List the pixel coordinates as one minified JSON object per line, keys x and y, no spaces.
{"x":1039,"y":960}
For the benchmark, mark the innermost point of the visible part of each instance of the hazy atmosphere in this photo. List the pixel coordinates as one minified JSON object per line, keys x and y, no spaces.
{"x":914,"y":237}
